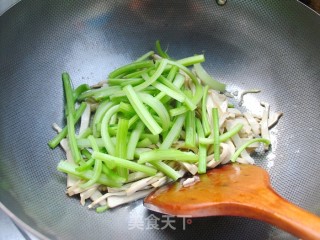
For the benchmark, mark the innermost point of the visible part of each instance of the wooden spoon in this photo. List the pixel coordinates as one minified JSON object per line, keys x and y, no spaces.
{"x":235,"y":190}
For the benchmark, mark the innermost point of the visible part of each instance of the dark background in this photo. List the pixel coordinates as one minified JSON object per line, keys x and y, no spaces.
{"x":314,"y":4}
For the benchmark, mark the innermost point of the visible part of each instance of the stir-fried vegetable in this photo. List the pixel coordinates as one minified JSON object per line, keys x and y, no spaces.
{"x":154,"y":120}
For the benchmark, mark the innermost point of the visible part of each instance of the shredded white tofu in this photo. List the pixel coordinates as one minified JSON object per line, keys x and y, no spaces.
{"x":160,"y":182}
{"x":231,"y":151}
{"x":264,"y":121}
{"x":99,"y":84}
{"x":86,"y":194}
{"x":220,"y":101}
{"x":102,"y":199}
{"x":225,"y":156}
{"x":76,"y":189}
{"x":136,"y":176}
{"x":97,"y":195}
{"x":274,"y":118}
{"x":246,"y":92}
{"x":234,"y":111}
{"x":192,"y":168}
{"x":253,"y":123}
{"x":190,"y":181}
{"x":114,"y":201}
{"x":56,"y":127}
{"x":141,"y":184}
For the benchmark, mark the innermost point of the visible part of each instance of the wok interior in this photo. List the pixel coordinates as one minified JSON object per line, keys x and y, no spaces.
{"x":268,"y":45}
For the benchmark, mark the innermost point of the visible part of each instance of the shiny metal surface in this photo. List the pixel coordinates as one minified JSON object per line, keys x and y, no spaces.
{"x":270,"y":45}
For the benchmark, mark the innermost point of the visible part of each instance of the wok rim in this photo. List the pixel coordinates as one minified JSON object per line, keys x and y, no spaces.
{"x":24,"y":226}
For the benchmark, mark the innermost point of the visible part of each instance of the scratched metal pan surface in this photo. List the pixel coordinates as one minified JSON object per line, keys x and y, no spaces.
{"x":269,"y":45}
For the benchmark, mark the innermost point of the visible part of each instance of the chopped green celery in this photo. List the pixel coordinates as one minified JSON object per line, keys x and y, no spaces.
{"x":168,"y":91}
{"x":133,"y":120}
{"x":102,"y":209}
{"x":172,"y":74}
{"x":204,"y":114}
{"x":86,"y":153}
{"x":178,"y":111}
{"x":166,"y":169}
{"x":144,"y":143}
{"x":178,"y":82}
{"x":134,"y":139}
{"x":157,"y":118}
{"x":126,"y":109}
{"x":99,"y":93}
{"x":95,"y":176}
{"x":160,"y":51}
{"x":114,"y":140}
{"x":61,"y":135}
{"x":125,"y":163}
{"x":207,"y":79}
{"x":111,"y":174}
{"x":188,"y":61}
{"x":206,"y":141}
{"x":154,"y":76}
{"x":223,"y":137}
{"x":142,"y":111}
{"x":187,"y":100}
{"x":97,"y":169}
{"x":85,"y":143}
{"x":114,"y":119}
{"x":164,"y":134}
{"x":121,"y":145}
{"x":173,"y":133}
{"x":190,"y":128}
{"x":68,"y":93}
{"x":104,"y":95}
{"x":187,"y":92}
{"x":80,"y":89}
{"x":137,"y":73}
{"x":93,"y":143}
{"x":119,"y":81}
{"x":100,"y":112}
{"x":70,"y":168}
{"x":230,"y":105}
{"x":168,"y":154}
{"x":131,"y":67}
{"x":118,"y":99}
{"x":121,"y":94}
{"x":85,"y":133}
{"x":198,"y":93}
{"x":233,"y":131}
{"x":105,"y":129}
{"x":202,"y":164}
{"x":243,"y":147}
{"x":158,"y":107}
{"x":153,"y":138}
{"x":216,"y":137}
{"x":150,"y":90}
{"x":86,"y":166}
{"x":133,"y":83}
{"x":138,"y":151}
{"x":75,"y":152}
{"x":145,"y":56}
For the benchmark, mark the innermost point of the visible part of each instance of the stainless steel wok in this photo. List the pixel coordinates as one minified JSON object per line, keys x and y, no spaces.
{"x":270,"y":45}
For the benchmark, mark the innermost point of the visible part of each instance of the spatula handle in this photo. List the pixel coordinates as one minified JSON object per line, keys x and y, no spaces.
{"x":285,"y":215}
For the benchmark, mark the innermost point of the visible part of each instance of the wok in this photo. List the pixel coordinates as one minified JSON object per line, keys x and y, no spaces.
{"x":268,"y":45}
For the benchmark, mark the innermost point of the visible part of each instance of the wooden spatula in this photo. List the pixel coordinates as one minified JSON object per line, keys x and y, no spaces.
{"x":235,"y":190}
